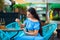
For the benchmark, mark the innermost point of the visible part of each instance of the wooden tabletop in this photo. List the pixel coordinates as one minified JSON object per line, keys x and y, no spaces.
{"x":2,"y":26}
{"x":12,"y":30}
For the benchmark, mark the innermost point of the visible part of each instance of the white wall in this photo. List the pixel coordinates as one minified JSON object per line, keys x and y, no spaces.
{"x":49,"y":1}
{"x":41,"y":1}
{"x":7,"y":2}
{"x":54,"y":1}
{"x":33,"y":0}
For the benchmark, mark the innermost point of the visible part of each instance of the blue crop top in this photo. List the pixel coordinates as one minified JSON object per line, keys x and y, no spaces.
{"x":30,"y":25}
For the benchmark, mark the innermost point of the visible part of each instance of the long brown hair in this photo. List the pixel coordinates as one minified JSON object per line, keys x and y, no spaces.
{"x":35,"y":15}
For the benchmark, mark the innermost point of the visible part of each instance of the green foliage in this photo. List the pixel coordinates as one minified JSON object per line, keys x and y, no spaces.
{"x":21,"y":6}
{"x":57,"y":18}
{"x":54,"y":5}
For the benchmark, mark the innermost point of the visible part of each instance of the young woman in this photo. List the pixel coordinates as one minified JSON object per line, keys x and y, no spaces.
{"x":32,"y":29}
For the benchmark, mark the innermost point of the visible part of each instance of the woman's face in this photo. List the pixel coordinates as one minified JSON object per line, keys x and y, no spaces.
{"x":29,"y":15}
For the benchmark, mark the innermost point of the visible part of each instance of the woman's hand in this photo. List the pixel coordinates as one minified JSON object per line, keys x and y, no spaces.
{"x":35,"y":32}
{"x":21,"y":25}
{"x":17,"y":20}
{"x":25,"y":31}
{"x":22,"y":29}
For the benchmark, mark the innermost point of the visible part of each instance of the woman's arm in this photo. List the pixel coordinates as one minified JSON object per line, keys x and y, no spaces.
{"x":35,"y":32}
{"x":21,"y":25}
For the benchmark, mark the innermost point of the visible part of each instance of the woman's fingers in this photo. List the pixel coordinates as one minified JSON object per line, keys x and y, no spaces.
{"x":22,"y":28}
{"x":17,"y":20}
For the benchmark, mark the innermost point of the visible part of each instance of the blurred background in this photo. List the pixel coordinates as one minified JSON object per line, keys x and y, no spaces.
{"x":48,"y":11}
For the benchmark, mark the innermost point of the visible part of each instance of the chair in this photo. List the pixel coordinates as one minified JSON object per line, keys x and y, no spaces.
{"x":8,"y":35}
{"x":13,"y":25}
{"x":3,"y":36}
{"x":48,"y":30}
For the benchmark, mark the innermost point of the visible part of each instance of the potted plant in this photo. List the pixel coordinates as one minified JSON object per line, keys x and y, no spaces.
{"x":22,"y":8}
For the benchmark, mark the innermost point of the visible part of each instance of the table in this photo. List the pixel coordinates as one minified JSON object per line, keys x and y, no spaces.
{"x":10,"y":30}
{"x":2,"y":26}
